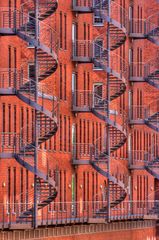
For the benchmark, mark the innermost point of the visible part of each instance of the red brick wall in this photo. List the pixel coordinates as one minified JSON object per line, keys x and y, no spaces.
{"x":64,"y":159}
{"x":149,"y":233}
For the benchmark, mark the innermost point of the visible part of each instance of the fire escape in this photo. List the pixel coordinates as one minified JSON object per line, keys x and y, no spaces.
{"x":30,"y":90}
{"x":146,"y":72}
{"x":105,"y":58}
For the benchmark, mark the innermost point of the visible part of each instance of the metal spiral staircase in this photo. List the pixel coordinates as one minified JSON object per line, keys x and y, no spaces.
{"x":45,"y":8}
{"x":147,"y":72}
{"x":36,"y":96}
{"x":152,"y":115}
{"x":99,"y":105}
{"x":117,"y":24}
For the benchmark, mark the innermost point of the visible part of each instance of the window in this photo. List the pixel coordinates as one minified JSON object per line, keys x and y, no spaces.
{"x":27,"y":188}
{"x":84,"y":30}
{"x":61,"y":82}
{"x":73,"y":134}
{"x":96,"y":198}
{"x":14,"y":188}
{"x":15,"y":65}
{"x":93,"y":188}
{"x":31,"y":71}
{"x":10,"y":15}
{"x":31,"y":20}
{"x":65,"y":190}
{"x":96,"y":131}
{"x":139,"y":109}
{"x":84,"y":134}
{"x":98,"y":93}
{"x":88,"y":136}
{"x":9,"y":124}
{"x":9,"y":64}
{"x":93,"y":133}
{"x":87,"y":187}
{"x":74,"y":38}
{"x":69,"y":134}
{"x":100,"y":143}
{"x":131,"y":19}
{"x":98,"y":48}
{"x":32,"y":116}
{"x":65,"y":134}
{"x":74,"y":86}
{"x":61,"y":30}
{"x":60,"y":195}
{"x":21,"y":188}
{"x":27,"y":120}
{"x":4,"y":123}
{"x":88,"y":29}
{"x":130,"y":55}
{"x":75,"y":149}
{"x":15,"y":118}
{"x":98,"y":51}
{"x":22,"y":123}
{"x":97,"y":20}
{"x":9,"y":189}
{"x":65,"y":32}
{"x":61,"y":135}
{"x":65,"y":82}
{"x":84,"y":190}
{"x":74,"y":193}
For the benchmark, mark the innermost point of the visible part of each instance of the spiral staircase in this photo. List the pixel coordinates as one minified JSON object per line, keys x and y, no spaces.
{"x":35,"y":95}
{"x":98,"y":105}
{"x":148,"y":72}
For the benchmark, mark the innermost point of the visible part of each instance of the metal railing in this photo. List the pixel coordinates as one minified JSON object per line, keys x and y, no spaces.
{"x":144,"y":26}
{"x":18,"y":20}
{"x":117,"y":12}
{"x":79,"y":212}
{"x":81,"y":151}
{"x":149,"y":113}
{"x":146,"y":70}
{"x":83,"y":3}
{"x":138,"y":112}
{"x":82,"y":48}
{"x":88,"y":99}
{"x":139,"y":157}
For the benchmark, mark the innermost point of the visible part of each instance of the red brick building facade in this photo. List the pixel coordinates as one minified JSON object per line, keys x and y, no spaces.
{"x":79,"y":111}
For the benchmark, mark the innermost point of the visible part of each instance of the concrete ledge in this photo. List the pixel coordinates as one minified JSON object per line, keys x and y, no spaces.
{"x":76,"y":230}
{"x":21,"y":226}
{"x":96,"y":220}
{"x":137,"y":35}
{"x":137,"y":122}
{"x":151,"y":217}
{"x":135,"y":167}
{"x":7,"y":31}
{"x":81,"y":162}
{"x":137,"y":79}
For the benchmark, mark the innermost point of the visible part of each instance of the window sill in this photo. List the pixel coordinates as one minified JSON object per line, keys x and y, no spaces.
{"x":98,"y":25}
{"x":31,"y":47}
{"x":97,"y":69}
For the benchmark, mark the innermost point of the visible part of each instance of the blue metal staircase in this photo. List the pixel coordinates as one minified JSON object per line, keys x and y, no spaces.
{"x":87,"y":101}
{"x":35,"y":95}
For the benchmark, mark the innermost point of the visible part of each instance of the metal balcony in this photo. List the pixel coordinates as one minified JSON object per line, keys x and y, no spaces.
{"x":148,"y":72}
{"x":82,"y":51}
{"x":145,"y":28}
{"x":83,"y":6}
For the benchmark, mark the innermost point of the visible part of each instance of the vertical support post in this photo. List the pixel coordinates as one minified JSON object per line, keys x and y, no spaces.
{"x":36,"y":122}
{"x":108,"y":110}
